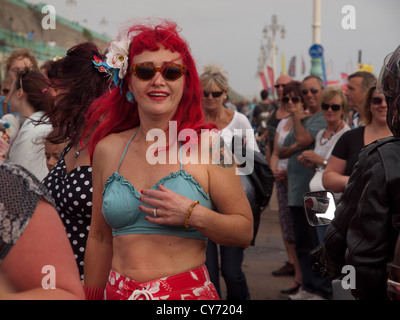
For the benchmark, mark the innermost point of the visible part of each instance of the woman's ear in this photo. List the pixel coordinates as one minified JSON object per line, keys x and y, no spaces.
{"x":20,"y":93}
{"x":130,"y":87}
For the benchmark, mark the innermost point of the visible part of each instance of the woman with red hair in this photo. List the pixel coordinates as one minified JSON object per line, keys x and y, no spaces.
{"x":151,"y":217}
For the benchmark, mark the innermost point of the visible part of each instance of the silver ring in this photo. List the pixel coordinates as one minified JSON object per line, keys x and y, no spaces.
{"x":155,"y":212}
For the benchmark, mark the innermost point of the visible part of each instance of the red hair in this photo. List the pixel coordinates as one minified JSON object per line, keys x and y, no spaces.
{"x":112,"y":112}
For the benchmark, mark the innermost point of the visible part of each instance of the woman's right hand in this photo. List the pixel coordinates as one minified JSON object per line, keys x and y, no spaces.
{"x":280,"y":175}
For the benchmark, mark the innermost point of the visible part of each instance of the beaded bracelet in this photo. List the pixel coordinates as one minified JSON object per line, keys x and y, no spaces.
{"x":189,"y":213}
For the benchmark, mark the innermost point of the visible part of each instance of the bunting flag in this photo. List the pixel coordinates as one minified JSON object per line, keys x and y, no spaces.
{"x":332,"y":83}
{"x":271,"y":78}
{"x":349,"y":66}
{"x":283,"y":63}
{"x":365,"y":67}
{"x":292,"y":67}
{"x":345,"y":77}
{"x":266,"y":78}
{"x":329,"y":69}
{"x":263,"y":80}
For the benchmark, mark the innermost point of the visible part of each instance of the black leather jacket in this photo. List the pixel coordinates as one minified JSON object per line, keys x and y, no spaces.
{"x":363,"y":232}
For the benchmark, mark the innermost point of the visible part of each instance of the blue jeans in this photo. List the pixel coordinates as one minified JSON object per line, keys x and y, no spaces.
{"x":321,"y":233}
{"x":306,"y":240}
{"x":231,"y":269}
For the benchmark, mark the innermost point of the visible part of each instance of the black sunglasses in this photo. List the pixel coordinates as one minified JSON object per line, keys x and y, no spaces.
{"x":377,"y":100}
{"x":5,"y":91}
{"x":280,"y":85}
{"x":334,"y":107}
{"x":295,"y":100}
{"x":215,"y":94}
{"x":170,"y":72}
{"x":313,"y":91}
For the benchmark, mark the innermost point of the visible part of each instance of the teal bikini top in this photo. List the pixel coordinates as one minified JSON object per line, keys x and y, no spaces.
{"x":121,"y":203}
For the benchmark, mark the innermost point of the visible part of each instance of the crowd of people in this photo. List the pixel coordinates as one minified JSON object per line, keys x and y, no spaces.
{"x":89,"y":147}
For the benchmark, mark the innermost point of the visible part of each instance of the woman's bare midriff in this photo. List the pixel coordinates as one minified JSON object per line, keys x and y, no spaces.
{"x":147,"y":257}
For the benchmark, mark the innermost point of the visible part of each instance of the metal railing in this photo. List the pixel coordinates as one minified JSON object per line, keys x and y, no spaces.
{"x":43,"y":51}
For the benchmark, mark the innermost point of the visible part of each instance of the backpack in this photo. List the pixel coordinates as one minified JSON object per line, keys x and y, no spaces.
{"x":261,"y":176}
{"x":262,"y":179}
{"x":263,"y":182}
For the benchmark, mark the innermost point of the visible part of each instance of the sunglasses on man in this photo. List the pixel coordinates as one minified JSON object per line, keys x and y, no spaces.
{"x":312,"y":90}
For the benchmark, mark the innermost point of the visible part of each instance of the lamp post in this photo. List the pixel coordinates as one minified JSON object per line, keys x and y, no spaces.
{"x":317,"y":22}
{"x":316,"y":51}
{"x":274,"y":28}
{"x":71,"y":4}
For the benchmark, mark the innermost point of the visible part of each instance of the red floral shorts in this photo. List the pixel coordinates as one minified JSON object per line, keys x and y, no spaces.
{"x":190,"y":285}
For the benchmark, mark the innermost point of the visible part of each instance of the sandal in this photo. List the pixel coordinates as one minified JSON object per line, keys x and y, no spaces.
{"x":292,"y":290}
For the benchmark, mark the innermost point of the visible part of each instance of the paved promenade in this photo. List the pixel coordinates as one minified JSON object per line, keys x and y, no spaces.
{"x":267,"y":255}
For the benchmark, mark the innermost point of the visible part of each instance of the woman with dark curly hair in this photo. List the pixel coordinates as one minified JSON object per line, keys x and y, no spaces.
{"x":76,"y":83}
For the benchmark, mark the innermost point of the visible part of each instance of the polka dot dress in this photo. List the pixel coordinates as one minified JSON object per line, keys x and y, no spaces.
{"x":72,"y":194}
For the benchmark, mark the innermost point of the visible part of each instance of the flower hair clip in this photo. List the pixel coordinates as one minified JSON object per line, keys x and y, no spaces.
{"x":104,"y":68}
{"x":116,"y":63}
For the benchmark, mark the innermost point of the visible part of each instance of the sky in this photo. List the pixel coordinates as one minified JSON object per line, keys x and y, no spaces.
{"x":229,"y":33}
